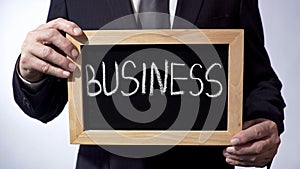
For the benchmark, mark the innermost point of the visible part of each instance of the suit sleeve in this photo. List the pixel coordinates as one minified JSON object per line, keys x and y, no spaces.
{"x":262,"y":88}
{"x":51,"y":98}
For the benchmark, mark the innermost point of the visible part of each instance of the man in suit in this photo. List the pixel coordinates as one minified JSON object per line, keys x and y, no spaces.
{"x":40,"y":86}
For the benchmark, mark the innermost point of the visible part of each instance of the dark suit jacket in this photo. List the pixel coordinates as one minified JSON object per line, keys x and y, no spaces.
{"x":262,"y":97}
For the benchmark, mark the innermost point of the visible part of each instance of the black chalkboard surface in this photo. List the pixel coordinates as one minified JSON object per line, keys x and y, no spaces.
{"x":144,"y":83}
{"x":140,"y":101}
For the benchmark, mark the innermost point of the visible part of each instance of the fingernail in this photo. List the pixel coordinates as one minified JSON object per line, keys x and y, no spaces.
{"x":66,"y":73}
{"x":77,"y":30}
{"x":226,"y":154}
{"x":72,"y":66}
{"x":235,"y":141}
{"x":74,"y":53}
{"x":230,"y":149}
{"x":229,"y":161}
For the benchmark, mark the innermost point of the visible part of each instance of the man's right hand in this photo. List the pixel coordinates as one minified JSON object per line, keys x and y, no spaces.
{"x":38,"y":58}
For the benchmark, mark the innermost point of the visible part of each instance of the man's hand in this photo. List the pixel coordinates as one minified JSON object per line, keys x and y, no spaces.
{"x":38,"y":58}
{"x":254,"y":146}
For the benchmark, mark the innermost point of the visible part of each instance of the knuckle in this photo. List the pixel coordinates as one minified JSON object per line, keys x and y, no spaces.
{"x":23,"y":59}
{"x":46,"y":52}
{"x":258,"y":132}
{"x":65,"y":44}
{"x":42,"y":26}
{"x":258,"y":149}
{"x":45,"y":67}
{"x":69,"y":26}
{"x":272,"y":126}
{"x":57,"y":21}
{"x":62,"y":62}
{"x":278,"y":141}
{"x":55,"y":71}
{"x":30,"y":33}
{"x":50,"y":33}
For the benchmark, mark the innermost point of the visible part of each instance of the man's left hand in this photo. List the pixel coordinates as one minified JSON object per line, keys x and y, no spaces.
{"x":255,"y":145}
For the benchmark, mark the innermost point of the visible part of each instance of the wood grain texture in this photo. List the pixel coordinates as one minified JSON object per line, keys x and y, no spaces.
{"x":235,"y":39}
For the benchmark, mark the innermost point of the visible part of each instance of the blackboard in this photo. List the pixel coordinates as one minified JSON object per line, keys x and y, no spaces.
{"x":142,"y":83}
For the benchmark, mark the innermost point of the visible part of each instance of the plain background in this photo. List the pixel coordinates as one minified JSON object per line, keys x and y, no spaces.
{"x":27,"y":143}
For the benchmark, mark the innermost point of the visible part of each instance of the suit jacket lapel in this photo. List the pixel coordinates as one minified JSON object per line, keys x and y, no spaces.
{"x":188,"y":10}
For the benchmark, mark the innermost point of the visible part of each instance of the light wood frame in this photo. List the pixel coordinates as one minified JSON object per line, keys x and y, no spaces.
{"x":234,"y":38}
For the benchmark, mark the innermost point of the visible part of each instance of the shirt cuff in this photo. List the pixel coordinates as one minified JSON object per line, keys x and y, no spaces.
{"x":32,"y":86}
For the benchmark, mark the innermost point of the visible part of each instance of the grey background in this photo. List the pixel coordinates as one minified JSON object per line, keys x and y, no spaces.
{"x":29,"y":144}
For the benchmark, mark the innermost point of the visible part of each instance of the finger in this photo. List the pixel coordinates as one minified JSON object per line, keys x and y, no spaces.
{"x":257,"y":147}
{"x":255,"y":132}
{"x":249,"y":123}
{"x":48,"y":54}
{"x":250,"y":160}
{"x":46,"y":68}
{"x":52,"y":36}
{"x":244,"y":163}
{"x":269,"y":154}
{"x":252,"y":148}
{"x":64,"y":25}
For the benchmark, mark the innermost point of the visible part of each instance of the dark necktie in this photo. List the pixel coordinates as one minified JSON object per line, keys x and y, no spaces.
{"x":156,"y":16}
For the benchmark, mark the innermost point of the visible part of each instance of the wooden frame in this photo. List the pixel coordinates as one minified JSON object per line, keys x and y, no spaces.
{"x":234,"y":38}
